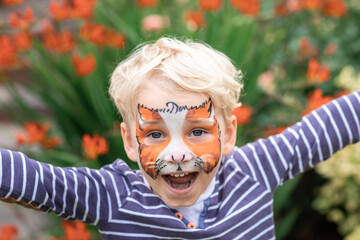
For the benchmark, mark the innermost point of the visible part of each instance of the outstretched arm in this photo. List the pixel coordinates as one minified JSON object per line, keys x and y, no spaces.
{"x":71,"y":193}
{"x":312,"y":140}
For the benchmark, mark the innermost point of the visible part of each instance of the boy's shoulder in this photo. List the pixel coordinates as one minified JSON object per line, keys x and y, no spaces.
{"x":120,"y":167}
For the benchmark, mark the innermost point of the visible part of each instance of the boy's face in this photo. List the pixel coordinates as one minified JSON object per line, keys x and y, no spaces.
{"x":178,"y":140}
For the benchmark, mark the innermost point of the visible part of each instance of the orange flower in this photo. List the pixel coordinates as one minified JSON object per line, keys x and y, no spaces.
{"x":22,"y":20}
{"x":273,"y":131}
{"x":84,"y":66}
{"x":50,"y":40}
{"x":85,"y":30}
{"x":98,"y":35}
{"x":316,"y":100}
{"x":36,"y":133}
{"x":334,"y":8}
{"x":306,"y":49}
{"x":317,"y":72}
{"x":243,"y":114}
{"x":116,"y":39}
{"x":23,"y":41}
{"x":281,"y":10}
{"x":66,"y":42}
{"x":72,"y":8}
{"x":94,"y":33}
{"x":8,"y":54}
{"x":59,"y":42}
{"x":83,"y":8}
{"x":74,"y":231}
{"x":330,"y":49}
{"x":94,"y":146}
{"x":11,"y":2}
{"x":146,"y":3}
{"x":194,"y":20}
{"x":60,"y":10}
{"x":101,"y":36}
{"x":51,"y":142}
{"x":250,"y":7}
{"x":8,"y":232}
{"x":210,"y":5}
{"x":312,"y":4}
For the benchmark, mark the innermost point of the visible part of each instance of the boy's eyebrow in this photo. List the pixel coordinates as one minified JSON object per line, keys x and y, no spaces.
{"x":152,"y":121}
{"x":200,"y":120}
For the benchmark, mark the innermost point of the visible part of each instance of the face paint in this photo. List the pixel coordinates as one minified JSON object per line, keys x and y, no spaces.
{"x":148,"y":153}
{"x":172,"y":137}
{"x":208,"y":152}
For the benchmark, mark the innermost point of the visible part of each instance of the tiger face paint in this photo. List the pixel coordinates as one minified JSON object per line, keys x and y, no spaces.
{"x":178,"y":138}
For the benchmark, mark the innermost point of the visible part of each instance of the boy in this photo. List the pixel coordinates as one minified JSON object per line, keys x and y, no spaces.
{"x":176,"y":100}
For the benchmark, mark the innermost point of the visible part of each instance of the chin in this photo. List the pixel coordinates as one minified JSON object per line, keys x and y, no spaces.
{"x":180,"y":202}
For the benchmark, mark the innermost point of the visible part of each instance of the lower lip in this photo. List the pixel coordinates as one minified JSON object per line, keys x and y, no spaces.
{"x":182,"y":191}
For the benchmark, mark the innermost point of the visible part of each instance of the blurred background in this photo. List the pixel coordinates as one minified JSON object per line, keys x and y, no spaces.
{"x":56,"y":58}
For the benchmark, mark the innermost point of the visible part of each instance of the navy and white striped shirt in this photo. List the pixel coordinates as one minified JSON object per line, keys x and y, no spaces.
{"x":116,"y":200}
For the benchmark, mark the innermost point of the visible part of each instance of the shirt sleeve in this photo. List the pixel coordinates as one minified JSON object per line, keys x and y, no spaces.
{"x":312,"y":140}
{"x":71,"y":193}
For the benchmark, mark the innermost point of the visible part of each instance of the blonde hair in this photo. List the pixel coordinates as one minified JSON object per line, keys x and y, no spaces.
{"x":193,"y":66}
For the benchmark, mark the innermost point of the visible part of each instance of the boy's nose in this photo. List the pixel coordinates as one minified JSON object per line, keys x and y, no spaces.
{"x":178,"y":156}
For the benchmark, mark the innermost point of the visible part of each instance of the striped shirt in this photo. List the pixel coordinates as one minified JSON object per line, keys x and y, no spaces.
{"x":116,"y":200}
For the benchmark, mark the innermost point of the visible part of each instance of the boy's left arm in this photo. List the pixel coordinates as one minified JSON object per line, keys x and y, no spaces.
{"x":312,"y":140}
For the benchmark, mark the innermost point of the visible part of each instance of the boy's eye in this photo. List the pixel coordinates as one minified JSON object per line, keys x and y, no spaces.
{"x":197,"y":132}
{"x":156,"y":134}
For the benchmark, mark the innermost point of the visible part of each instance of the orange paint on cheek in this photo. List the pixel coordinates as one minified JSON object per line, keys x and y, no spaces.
{"x":148,"y":153}
{"x":209,"y":151}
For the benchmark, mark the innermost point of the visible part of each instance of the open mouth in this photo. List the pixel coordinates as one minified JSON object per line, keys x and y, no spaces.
{"x":180,"y":181}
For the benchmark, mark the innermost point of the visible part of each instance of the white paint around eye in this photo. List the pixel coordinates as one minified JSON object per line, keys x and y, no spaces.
{"x":141,"y":121}
{"x":174,"y":122}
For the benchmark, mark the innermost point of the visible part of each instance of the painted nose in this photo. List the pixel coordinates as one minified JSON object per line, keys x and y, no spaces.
{"x":178,"y":157}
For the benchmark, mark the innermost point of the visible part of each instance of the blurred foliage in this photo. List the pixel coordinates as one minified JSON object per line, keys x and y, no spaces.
{"x":287,"y":49}
{"x":339,"y":197}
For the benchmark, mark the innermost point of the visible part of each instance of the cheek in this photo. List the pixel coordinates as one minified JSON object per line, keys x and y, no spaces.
{"x":209,"y":151}
{"x":148,"y":154}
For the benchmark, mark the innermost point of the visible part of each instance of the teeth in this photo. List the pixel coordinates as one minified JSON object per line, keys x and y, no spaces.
{"x":179,"y":175}
{"x":179,"y":186}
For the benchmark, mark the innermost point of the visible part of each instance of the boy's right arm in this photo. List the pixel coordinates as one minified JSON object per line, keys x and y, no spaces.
{"x":301,"y":146}
{"x":71,"y":193}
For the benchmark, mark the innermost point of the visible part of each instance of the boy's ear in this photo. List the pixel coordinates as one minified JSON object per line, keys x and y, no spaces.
{"x":230,"y":135}
{"x":129,"y":147}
